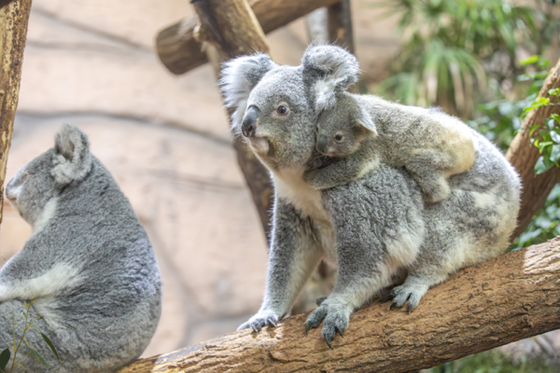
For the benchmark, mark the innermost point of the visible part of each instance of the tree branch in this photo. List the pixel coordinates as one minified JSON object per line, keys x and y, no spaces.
{"x":180,"y":52}
{"x":523,"y":156}
{"x":14,"y":17}
{"x":509,"y":298}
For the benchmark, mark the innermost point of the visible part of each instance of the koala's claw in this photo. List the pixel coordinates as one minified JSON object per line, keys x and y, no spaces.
{"x":259,"y":320}
{"x":335,"y":320}
{"x":408,"y":293}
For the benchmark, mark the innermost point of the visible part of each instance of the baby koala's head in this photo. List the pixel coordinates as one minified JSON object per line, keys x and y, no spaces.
{"x":35,"y":187}
{"x":341,"y":130}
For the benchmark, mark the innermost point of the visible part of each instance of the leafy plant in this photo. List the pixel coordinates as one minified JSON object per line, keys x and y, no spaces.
{"x":451,"y":48}
{"x":15,"y":348}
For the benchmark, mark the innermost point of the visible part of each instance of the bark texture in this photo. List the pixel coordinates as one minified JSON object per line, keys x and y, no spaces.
{"x":14,"y":17}
{"x":340,"y":26}
{"x":180,"y":52}
{"x":232,"y":29}
{"x":511,"y":297}
{"x":523,"y":156}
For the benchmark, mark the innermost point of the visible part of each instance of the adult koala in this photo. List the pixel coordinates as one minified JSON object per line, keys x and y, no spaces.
{"x":376,"y":229}
{"x":88,"y":266}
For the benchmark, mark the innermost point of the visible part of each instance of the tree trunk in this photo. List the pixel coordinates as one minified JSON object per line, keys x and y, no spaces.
{"x":180,"y":52}
{"x":509,"y":298}
{"x":14,"y":16}
{"x":523,"y":156}
{"x":232,"y":29}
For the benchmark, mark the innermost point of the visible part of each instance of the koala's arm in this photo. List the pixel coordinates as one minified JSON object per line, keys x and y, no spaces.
{"x":27,"y":276}
{"x":293,"y":255}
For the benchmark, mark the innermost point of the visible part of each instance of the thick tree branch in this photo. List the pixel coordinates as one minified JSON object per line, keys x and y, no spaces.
{"x":523,"y":156}
{"x":180,"y":52}
{"x":232,"y":29}
{"x":511,"y":297}
{"x":14,"y":17}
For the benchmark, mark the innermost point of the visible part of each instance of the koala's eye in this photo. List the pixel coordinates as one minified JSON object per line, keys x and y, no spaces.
{"x":338,"y":137}
{"x":282,"y":110}
{"x":25,"y":176}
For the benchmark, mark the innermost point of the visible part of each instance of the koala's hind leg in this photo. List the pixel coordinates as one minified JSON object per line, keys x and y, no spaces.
{"x":428,"y":167}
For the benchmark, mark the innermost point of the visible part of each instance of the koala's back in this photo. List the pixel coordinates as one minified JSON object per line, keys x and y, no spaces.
{"x":108,"y":303}
{"x":403,"y":130}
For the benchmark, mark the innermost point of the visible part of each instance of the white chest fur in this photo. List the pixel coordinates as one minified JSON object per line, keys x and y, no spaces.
{"x":291,"y":187}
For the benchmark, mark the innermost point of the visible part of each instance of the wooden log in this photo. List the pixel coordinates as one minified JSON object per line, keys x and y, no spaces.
{"x":523,"y":156}
{"x":180,"y":52}
{"x":233,"y":30}
{"x":14,"y":17}
{"x":509,"y":298}
{"x":340,"y":26}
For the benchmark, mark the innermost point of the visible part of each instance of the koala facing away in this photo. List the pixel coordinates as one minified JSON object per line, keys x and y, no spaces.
{"x":88,"y":264}
{"x":364,"y":130}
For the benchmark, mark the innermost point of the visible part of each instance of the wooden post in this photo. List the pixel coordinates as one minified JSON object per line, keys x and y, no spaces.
{"x":509,"y":298}
{"x":340,"y":26}
{"x":180,"y":52}
{"x":523,"y":156}
{"x":14,"y":16}
{"x":231,"y":27}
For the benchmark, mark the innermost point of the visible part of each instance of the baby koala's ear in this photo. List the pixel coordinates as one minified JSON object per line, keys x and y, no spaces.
{"x":239,"y":77}
{"x":330,"y":71}
{"x":365,"y":122}
{"x":73,"y":160}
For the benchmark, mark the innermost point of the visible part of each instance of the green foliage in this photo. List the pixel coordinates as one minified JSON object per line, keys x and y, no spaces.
{"x":495,"y":361}
{"x":15,"y":348}
{"x":451,"y":48}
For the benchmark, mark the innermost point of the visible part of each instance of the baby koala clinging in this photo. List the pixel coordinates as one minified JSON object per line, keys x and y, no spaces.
{"x":360,"y":131}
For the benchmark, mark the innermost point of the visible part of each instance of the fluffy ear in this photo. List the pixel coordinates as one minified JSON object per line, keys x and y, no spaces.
{"x":73,"y":160}
{"x":330,"y":70}
{"x":239,"y":77}
{"x":365,"y":121}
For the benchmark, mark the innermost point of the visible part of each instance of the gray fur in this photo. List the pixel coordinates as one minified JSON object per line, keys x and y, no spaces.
{"x":376,"y":229}
{"x":88,"y":264}
{"x":363,"y":130}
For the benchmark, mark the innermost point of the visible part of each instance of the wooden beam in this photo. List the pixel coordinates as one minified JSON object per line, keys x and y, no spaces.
{"x":340,"y":26}
{"x":509,"y":298}
{"x":14,"y":16}
{"x":523,"y":156}
{"x":180,"y":52}
{"x":232,"y":30}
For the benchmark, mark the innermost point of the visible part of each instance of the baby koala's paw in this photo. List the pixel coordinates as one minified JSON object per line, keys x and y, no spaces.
{"x":262,"y":318}
{"x":435,"y":192}
{"x":335,"y":319}
{"x":407,"y":292}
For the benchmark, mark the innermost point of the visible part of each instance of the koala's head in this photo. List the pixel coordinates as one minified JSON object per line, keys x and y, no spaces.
{"x":45,"y":177}
{"x":275,"y":107}
{"x":341,"y":129}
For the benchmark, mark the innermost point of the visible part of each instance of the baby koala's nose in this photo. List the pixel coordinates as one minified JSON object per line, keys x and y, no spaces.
{"x":322,"y":143}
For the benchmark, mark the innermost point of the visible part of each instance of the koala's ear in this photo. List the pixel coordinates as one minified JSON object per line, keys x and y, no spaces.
{"x":239,"y":77}
{"x":365,"y":121}
{"x":73,"y":160}
{"x":330,"y":71}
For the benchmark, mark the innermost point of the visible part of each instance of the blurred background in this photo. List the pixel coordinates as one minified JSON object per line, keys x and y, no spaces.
{"x":165,"y":137}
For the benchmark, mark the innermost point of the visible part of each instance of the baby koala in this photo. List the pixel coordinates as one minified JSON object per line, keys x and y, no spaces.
{"x":360,"y":131}
{"x":88,"y":266}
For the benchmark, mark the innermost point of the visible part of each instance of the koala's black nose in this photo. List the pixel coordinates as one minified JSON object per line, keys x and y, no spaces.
{"x":322,"y":143}
{"x":249,"y":124}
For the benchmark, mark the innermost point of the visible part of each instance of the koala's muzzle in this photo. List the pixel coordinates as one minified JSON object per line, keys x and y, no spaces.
{"x":322,"y":143}
{"x":249,"y":124}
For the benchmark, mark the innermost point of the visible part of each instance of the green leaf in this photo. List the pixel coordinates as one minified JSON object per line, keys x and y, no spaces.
{"x":555,"y":153}
{"x":555,"y":137}
{"x":554,"y":91}
{"x":50,"y":345}
{"x":529,"y":60}
{"x":38,"y":357}
{"x":556,"y":117}
{"x":542,"y":166}
{"x":4,"y":358}
{"x":533,"y":128}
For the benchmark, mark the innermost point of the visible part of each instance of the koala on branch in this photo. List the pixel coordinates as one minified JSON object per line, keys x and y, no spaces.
{"x":376,"y":229}
{"x":88,"y":265}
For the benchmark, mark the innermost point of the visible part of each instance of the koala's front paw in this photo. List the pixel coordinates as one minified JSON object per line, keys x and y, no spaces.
{"x":336,"y":318}
{"x":411,"y":292}
{"x":262,"y":318}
